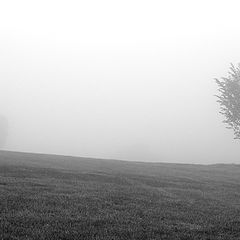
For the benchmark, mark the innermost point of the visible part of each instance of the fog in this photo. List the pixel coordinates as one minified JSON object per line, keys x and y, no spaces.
{"x":129,"y":80}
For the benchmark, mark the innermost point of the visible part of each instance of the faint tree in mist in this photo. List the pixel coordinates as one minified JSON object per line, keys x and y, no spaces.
{"x":229,"y":99}
{"x":3,"y":130}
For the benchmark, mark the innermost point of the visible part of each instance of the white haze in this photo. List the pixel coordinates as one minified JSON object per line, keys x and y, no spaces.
{"x":118,"y":79}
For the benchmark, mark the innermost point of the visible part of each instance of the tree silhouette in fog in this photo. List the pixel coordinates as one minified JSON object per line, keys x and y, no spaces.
{"x":229,"y":99}
{"x":3,"y":130}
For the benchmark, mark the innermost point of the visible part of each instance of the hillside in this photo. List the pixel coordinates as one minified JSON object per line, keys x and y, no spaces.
{"x":61,"y":197}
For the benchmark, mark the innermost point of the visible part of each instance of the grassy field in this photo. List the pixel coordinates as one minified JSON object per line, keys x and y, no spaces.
{"x":55,"y":198}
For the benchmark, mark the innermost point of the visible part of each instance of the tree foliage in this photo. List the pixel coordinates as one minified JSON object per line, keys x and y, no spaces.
{"x":229,"y":99}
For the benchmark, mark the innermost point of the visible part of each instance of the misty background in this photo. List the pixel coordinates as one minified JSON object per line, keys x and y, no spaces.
{"x":129,"y":80}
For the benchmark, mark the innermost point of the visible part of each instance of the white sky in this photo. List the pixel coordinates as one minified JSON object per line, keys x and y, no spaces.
{"x":118,"y":79}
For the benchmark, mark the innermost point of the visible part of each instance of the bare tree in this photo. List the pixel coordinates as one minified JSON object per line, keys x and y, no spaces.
{"x":229,"y":99}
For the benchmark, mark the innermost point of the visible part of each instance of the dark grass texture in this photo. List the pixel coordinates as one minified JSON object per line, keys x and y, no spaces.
{"x":52,"y":197}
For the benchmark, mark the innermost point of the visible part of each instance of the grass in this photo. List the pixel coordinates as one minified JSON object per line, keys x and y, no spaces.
{"x":55,"y":197}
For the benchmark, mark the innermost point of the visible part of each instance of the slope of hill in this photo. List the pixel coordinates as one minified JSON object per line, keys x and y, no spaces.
{"x":60,"y":197}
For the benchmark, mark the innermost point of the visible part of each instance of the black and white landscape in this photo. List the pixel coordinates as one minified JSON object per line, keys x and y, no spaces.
{"x":119,"y":120}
